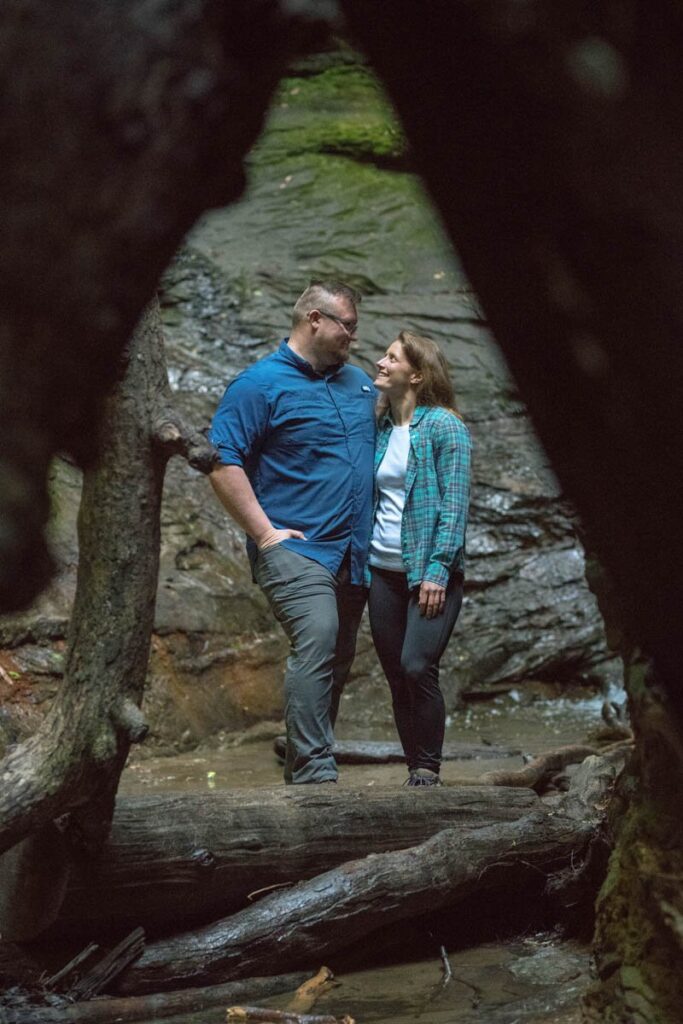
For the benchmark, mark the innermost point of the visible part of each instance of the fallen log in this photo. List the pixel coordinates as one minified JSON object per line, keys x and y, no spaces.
{"x":341,"y":907}
{"x":153,"y":1007}
{"x":261,"y":1015}
{"x":177,"y":859}
{"x":386,"y":752}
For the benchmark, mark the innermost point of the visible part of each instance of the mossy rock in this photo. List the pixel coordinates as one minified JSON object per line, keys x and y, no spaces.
{"x":342,"y":111}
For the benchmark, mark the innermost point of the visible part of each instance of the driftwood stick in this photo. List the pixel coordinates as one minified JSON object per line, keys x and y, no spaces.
{"x":79,"y":959}
{"x":156,"y":1006}
{"x":109,"y":967}
{"x":258,"y":893}
{"x":305,"y":997}
{"x":441,"y":984}
{"x":447,"y":970}
{"x":257,"y":1013}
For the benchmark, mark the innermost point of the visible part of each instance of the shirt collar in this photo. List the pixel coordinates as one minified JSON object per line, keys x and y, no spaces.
{"x":420,"y":410}
{"x":302,"y":364}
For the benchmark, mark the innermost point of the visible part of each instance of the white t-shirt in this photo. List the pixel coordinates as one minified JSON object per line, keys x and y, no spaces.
{"x":385,"y":545}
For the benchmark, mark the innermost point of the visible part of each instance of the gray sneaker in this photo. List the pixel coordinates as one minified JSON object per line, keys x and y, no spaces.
{"x":424,"y":777}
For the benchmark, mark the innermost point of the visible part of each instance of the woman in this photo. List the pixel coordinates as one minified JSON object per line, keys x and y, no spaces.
{"x":416,"y":561}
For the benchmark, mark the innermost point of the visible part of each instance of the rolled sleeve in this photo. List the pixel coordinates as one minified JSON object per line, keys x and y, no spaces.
{"x":241,"y":422}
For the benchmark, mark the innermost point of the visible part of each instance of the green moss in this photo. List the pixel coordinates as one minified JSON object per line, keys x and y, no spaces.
{"x":342,"y":111}
{"x":362,"y":139}
{"x":329,"y":196}
{"x":352,"y":219}
{"x":637,"y":676}
{"x":346,"y":86}
{"x":632,"y":978}
{"x":635,"y":949}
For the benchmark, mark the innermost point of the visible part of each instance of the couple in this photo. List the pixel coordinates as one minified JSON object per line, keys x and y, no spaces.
{"x":341,"y":485}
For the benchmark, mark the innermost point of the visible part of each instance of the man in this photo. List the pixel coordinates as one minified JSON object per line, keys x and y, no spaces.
{"x":295,"y":435}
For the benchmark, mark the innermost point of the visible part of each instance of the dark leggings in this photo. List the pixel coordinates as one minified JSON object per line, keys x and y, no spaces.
{"x":409,"y":647}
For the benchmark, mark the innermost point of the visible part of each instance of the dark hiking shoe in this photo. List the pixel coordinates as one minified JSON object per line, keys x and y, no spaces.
{"x":424,"y":777}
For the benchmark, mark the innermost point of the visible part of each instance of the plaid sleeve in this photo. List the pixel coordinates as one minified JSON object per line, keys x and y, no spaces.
{"x":452,"y":448}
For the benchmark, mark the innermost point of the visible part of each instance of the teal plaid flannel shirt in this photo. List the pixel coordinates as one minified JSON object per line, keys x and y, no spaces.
{"x":437,"y":494}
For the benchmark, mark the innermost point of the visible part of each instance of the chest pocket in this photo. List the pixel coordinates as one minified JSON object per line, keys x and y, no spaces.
{"x":306,"y":421}
{"x":358,"y":411}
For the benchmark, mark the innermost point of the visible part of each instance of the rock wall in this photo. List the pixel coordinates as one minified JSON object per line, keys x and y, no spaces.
{"x":331,"y":194}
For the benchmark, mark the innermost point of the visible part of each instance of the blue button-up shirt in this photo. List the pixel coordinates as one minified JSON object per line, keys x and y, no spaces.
{"x":306,"y":442}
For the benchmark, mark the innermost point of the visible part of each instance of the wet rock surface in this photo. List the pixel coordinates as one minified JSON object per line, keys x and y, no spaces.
{"x":330,"y":195}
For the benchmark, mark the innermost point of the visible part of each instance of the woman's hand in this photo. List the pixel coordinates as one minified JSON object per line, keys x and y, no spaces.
{"x":431,"y":600}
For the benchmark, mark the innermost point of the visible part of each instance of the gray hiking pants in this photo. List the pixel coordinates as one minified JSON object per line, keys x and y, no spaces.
{"x":320,"y":613}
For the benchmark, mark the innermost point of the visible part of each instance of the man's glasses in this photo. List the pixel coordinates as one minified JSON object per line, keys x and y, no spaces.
{"x":348,"y":325}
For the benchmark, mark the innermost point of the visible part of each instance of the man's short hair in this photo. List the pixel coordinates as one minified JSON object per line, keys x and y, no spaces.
{"x":316,"y":295}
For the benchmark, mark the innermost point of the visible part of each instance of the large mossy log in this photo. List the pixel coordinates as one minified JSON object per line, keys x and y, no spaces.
{"x":315,"y":919}
{"x":175,"y":859}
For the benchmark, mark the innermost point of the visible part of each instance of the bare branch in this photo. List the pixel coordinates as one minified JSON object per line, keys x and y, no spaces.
{"x":130,"y":719}
{"x":175,"y":437}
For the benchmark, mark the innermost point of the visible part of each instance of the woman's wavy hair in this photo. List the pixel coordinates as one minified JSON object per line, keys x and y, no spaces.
{"x":427,"y":359}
